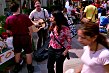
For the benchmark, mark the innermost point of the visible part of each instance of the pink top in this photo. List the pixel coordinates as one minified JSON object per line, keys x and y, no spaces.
{"x":94,"y":62}
{"x":64,"y":38}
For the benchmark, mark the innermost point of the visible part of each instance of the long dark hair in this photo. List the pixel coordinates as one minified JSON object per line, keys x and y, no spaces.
{"x":92,"y":29}
{"x":59,"y":20}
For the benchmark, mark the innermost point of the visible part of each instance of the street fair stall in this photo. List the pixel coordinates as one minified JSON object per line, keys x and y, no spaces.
{"x":6,"y":51}
{"x":6,"y":55}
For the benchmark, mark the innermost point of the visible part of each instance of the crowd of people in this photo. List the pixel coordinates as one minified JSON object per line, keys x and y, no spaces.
{"x":95,"y":45}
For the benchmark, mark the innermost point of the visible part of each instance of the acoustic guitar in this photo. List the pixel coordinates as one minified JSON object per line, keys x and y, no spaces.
{"x":39,"y":25}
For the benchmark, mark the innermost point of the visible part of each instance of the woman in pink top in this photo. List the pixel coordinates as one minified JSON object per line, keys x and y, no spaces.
{"x":61,"y":32}
{"x":96,"y":50}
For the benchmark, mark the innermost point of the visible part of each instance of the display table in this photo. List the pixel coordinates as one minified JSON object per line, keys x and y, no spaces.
{"x":7,"y":55}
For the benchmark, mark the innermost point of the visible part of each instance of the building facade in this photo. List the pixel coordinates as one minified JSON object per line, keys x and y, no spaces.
{"x":2,"y":7}
{"x":5,"y":4}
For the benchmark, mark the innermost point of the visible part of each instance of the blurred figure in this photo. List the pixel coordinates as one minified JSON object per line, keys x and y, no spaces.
{"x":69,"y":9}
{"x":56,"y":52}
{"x":96,"y":50}
{"x":67,"y":4}
{"x":20,"y":26}
{"x":90,"y":12}
{"x":37,"y":14}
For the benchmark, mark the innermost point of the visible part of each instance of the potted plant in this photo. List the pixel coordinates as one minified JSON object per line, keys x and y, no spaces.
{"x":2,"y":23}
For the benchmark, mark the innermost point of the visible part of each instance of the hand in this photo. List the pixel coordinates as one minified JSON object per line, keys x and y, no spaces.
{"x":38,"y":26}
{"x":81,"y":18}
{"x":51,"y":19}
{"x":78,"y":68}
{"x":65,"y":52}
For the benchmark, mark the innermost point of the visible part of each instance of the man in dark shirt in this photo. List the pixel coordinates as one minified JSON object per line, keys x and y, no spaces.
{"x":20,"y":27}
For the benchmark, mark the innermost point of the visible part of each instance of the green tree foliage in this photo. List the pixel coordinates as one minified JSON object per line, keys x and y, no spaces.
{"x":2,"y":23}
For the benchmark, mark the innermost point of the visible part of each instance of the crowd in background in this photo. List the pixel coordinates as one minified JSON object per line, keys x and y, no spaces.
{"x":58,"y":28}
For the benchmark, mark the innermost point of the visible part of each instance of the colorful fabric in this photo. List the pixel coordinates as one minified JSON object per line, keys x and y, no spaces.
{"x":64,"y":38}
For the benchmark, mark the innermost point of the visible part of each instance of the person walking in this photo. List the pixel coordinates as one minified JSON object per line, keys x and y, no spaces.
{"x":95,"y":57}
{"x":69,"y":9}
{"x":90,"y":12}
{"x":37,"y":14}
{"x":56,"y":53}
{"x":20,"y":27}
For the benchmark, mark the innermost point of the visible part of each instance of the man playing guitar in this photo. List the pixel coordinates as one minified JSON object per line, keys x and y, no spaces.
{"x":40,"y":35}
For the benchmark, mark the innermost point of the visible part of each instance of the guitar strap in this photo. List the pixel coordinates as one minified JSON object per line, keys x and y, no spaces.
{"x":46,"y":24}
{"x":44,"y":14}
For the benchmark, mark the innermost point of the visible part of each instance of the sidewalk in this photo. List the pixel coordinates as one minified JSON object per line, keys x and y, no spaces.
{"x":74,"y":61}
{"x":41,"y":67}
{"x":75,"y":54}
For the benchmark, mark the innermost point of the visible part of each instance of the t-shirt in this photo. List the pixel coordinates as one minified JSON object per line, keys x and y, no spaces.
{"x":104,"y":21}
{"x":69,"y":9}
{"x":18,"y":24}
{"x":9,"y":42}
{"x":90,"y":10}
{"x":43,"y":14}
{"x":97,"y":5}
{"x":39,"y":15}
{"x":94,"y":62}
{"x":99,"y":10}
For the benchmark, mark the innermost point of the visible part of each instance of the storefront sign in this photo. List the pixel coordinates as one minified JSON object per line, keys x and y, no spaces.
{"x":6,"y":56}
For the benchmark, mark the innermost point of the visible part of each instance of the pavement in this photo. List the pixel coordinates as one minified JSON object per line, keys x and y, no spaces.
{"x":75,"y":54}
{"x":73,"y":63}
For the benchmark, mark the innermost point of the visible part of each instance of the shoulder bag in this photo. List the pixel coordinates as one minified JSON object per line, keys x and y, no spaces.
{"x":62,"y":46}
{"x":85,"y":20}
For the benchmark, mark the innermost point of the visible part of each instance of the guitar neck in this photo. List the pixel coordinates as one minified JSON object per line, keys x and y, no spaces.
{"x":45,"y":21}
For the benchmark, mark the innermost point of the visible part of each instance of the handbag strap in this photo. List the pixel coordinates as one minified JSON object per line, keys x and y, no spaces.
{"x":93,"y":14}
{"x":58,"y":41}
{"x":62,"y":47}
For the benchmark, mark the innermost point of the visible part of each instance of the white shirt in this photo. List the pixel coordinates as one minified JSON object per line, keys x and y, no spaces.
{"x":39,"y":15}
{"x":94,"y":62}
{"x":9,"y":42}
{"x":67,"y":4}
{"x":69,"y":9}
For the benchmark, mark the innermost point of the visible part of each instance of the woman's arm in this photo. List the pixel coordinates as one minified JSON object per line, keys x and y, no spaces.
{"x":79,"y":68}
{"x":68,"y":39}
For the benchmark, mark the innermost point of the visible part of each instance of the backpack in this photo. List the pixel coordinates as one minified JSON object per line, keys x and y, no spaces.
{"x":42,"y":53}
